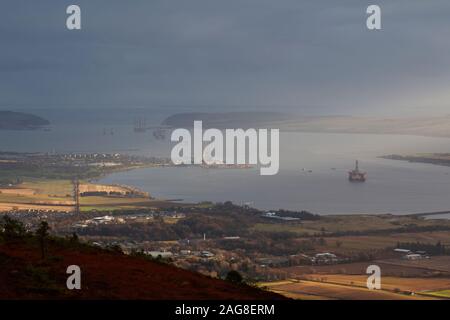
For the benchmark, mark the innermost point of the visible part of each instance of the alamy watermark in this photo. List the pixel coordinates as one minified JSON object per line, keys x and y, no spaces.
{"x":73,"y":21}
{"x":251,"y":147}
{"x":74,"y":280}
{"x":374,"y":278}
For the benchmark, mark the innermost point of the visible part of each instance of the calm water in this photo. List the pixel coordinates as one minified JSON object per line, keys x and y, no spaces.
{"x":392,"y":186}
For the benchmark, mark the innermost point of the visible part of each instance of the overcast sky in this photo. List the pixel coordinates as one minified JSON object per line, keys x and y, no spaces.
{"x":304,"y":55}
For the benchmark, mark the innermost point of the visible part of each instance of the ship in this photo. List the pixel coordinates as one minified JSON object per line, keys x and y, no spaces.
{"x":356,"y":175}
{"x":159,"y":134}
{"x":217,"y":164}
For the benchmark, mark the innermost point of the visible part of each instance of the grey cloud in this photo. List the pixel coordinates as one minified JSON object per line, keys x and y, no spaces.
{"x":287,"y":53}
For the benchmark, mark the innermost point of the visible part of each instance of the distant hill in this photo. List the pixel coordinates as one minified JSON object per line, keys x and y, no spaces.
{"x":106,"y":275}
{"x":10,"y":120}
{"x":225,"y":120}
{"x":436,"y":126}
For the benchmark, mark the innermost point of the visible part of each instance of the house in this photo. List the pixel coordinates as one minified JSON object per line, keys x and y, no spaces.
{"x":207,"y":254}
{"x":273,"y":215}
{"x":104,"y":219}
{"x":415,"y":256}
{"x":325,"y":258}
{"x":404,"y":251}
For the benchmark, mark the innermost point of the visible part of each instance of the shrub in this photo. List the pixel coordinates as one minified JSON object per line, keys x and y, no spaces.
{"x":234,"y":276}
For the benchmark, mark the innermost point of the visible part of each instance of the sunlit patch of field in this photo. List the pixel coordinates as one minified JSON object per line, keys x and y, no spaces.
{"x":55,"y":188}
{"x":395,"y":284}
{"x":57,"y":195}
{"x":96,"y":208}
{"x":307,"y":289}
{"x":42,"y":192}
{"x":440,"y":294}
{"x":5,"y":206}
{"x":17,"y":191}
{"x":170,"y":220}
{"x":302,"y":296}
{"x":112,"y":201}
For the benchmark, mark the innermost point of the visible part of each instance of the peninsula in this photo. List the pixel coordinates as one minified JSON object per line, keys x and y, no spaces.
{"x":10,"y":120}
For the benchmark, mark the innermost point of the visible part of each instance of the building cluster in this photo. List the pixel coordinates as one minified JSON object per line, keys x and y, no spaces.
{"x":273,"y":215}
{"x":125,"y":218}
{"x":325,"y":258}
{"x":411,"y":255}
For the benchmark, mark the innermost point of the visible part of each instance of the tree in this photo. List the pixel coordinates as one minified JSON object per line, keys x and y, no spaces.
{"x":234,"y":276}
{"x":74,"y":238}
{"x":42,"y":234}
{"x":12,"y":229}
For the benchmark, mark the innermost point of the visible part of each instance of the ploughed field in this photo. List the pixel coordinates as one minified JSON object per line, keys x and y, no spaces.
{"x":400,"y":279}
{"x":327,"y":290}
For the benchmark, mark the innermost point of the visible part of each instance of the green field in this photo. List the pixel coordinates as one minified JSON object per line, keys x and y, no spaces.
{"x":57,"y":193}
{"x":345,"y":223}
{"x":439,"y":294}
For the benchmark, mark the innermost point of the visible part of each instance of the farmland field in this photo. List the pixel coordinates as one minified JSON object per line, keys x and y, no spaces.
{"x":348,"y":223}
{"x":438,"y":265}
{"x":415,"y":285}
{"x":306,"y":289}
{"x":57,"y":195}
{"x":440,"y":294}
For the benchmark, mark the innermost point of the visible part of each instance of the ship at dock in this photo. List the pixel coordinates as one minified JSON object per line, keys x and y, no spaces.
{"x":218,"y":164}
{"x":357,"y":175}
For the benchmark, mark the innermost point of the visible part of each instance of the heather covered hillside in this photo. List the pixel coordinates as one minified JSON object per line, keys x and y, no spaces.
{"x":28,"y":273}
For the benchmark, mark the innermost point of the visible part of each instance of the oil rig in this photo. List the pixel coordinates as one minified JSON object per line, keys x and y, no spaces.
{"x":140,"y":125}
{"x":356,"y":175}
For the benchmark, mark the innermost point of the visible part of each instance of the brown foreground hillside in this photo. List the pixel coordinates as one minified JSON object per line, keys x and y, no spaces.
{"x":105,"y":275}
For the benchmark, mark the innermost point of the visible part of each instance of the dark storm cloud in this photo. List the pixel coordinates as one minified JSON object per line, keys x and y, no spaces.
{"x":289,"y":53}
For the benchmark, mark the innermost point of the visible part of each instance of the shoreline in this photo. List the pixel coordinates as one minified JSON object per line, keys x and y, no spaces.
{"x":437,"y":159}
{"x":96,"y":181}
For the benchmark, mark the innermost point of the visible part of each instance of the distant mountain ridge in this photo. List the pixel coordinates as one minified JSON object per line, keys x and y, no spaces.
{"x":226,"y":120}
{"x":10,"y":120}
{"x":431,"y":126}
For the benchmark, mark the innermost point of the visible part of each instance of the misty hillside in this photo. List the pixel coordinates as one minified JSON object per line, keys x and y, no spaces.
{"x":10,"y":120}
{"x":421,"y":126}
{"x":225,"y":120}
